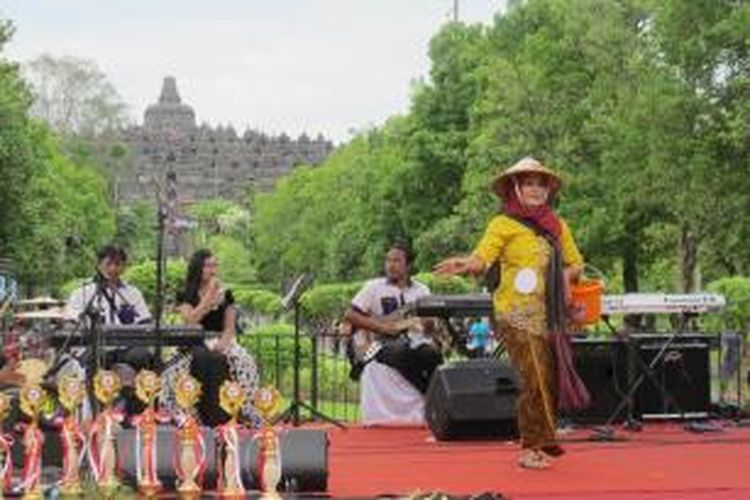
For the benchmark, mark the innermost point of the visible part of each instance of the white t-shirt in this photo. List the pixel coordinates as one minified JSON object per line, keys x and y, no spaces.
{"x":378,"y":298}
{"x":123,"y":303}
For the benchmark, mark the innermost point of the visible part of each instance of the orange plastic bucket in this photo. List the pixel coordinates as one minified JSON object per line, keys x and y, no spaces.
{"x":586,"y":296}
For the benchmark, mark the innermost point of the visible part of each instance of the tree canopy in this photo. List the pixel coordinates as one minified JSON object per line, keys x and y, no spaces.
{"x":641,"y":105}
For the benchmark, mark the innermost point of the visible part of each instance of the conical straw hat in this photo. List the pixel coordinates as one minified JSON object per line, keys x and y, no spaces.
{"x":502,"y":184}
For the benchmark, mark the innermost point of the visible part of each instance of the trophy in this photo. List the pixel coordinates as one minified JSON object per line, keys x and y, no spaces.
{"x":147,"y":388}
{"x":71,"y":392}
{"x":231,"y":398}
{"x":102,"y":457}
{"x":266,"y":401}
{"x":6,"y":441}
{"x":191,"y":449}
{"x":32,"y":399}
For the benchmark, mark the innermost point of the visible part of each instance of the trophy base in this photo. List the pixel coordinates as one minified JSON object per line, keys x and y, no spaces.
{"x":149,"y":490}
{"x":35,"y":494}
{"x":270,"y":495}
{"x":232,"y":493}
{"x":72,"y":489}
{"x":189,"y":491}
{"x":108,"y":489}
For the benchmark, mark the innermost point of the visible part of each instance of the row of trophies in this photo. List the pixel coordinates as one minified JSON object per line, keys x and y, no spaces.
{"x":95,"y":444}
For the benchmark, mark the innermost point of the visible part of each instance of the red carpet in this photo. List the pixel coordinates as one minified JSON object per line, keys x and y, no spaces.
{"x":664,"y":461}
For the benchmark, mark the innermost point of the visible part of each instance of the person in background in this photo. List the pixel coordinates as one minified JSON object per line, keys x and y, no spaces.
{"x":479,"y":338}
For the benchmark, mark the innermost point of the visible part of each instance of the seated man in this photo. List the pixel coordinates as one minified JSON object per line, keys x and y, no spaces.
{"x":404,"y":356}
{"x":110,"y":301}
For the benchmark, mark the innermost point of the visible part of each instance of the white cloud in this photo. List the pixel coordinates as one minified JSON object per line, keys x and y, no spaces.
{"x":290,"y":65}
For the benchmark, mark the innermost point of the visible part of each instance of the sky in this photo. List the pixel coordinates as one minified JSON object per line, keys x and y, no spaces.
{"x":314,"y":66}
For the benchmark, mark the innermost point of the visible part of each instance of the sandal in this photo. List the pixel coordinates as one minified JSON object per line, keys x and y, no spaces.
{"x":553,"y":450}
{"x":533,"y":459}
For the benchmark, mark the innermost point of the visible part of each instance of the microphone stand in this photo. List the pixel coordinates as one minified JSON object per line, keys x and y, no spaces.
{"x":161,"y":216}
{"x":94,"y":315}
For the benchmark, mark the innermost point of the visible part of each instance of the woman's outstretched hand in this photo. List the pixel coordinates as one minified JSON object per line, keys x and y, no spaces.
{"x":457,"y":265}
{"x":469,"y":264}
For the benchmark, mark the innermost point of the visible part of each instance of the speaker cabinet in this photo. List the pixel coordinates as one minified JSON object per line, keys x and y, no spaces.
{"x":304,"y":459}
{"x":472,"y":399}
{"x":603,"y":368}
{"x":682,"y":369}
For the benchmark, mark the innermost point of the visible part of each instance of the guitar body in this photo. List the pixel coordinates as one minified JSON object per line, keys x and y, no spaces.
{"x":362,"y":346}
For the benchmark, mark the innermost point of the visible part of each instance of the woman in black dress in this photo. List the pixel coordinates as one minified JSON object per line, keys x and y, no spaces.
{"x":204,"y":302}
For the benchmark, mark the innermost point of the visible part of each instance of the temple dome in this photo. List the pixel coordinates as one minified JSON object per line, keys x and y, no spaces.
{"x":169,"y":114}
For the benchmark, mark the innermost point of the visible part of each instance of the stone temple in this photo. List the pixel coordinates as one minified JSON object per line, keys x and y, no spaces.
{"x":206,"y":162}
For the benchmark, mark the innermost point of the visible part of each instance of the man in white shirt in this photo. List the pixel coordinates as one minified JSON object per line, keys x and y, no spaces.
{"x":108,"y":301}
{"x":106,"y":295}
{"x":405,"y":345}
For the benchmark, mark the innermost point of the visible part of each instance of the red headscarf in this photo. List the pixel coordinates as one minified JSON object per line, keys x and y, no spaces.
{"x":542,"y":215}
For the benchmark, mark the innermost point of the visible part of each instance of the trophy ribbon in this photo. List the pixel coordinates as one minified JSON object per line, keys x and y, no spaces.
{"x":6,"y":441}
{"x":33,"y":440}
{"x":71,"y":392}
{"x":190,"y":432}
{"x":189,"y":451}
{"x":267,"y":400}
{"x":145,"y":449}
{"x":147,"y":388}
{"x":6,"y":469}
{"x":32,"y":399}
{"x":101,"y":442}
{"x":72,"y":442}
{"x":231,"y":478}
{"x":98,"y":450}
{"x":231,"y":398}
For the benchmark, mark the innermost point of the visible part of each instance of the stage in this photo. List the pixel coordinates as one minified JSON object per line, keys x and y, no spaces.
{"x":662,"y":461}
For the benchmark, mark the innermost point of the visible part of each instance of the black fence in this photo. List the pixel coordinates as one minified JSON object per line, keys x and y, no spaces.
{"x":323,"y":371}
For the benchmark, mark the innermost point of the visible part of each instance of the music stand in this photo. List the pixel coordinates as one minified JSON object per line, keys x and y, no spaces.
{"x":292,"y":412}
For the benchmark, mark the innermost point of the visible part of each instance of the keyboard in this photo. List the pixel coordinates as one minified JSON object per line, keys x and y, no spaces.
{"x":136,"y":335}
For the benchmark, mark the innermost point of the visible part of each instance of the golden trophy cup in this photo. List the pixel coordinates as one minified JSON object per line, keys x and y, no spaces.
{"x":267,"y":401}
{"x":191,"y":446}
{"x":32,"y":399}
{"x":102,"y":456}
{"x":6,"y":463}
{"x":231,"y":398}
{"x":147,"y":388}
{"x":71,"y":392}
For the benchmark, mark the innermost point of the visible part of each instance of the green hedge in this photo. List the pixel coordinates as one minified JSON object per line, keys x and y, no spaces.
{"x":257,"y":301}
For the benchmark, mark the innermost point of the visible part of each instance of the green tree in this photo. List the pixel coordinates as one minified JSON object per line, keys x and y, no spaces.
{"x":16,"y":151}
{"x":65,"y":216}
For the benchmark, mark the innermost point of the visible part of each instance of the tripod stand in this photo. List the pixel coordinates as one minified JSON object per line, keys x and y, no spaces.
{"x":301,"y":284}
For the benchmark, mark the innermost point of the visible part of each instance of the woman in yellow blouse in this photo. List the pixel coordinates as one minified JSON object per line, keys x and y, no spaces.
{"x":538,"y":260}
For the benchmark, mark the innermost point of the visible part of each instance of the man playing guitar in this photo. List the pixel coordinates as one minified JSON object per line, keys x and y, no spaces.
{"x":403,"y":343}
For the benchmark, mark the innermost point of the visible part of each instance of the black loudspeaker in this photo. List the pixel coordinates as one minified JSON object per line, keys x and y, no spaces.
{"x":304,"y":459}
{"x":602,"y":365}
{"x":682,"y":370}
{"x":472,"y":399}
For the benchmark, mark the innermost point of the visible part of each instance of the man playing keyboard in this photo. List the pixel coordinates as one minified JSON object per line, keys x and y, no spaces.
{"x":106,"y":300}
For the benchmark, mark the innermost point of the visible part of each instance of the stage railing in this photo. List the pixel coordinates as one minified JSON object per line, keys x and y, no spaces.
{"x":324,"y":370}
